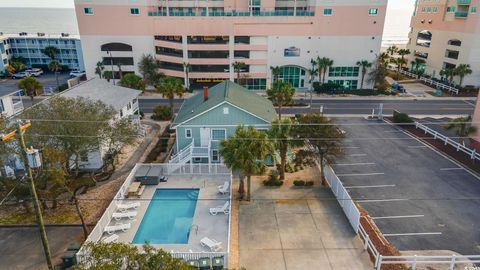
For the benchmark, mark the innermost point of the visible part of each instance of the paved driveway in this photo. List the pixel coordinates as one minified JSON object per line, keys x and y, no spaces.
{"x":21,"y":247}
{"x":48,"y":81}
{"x":290,"y":229}
{"x":419,"y":199}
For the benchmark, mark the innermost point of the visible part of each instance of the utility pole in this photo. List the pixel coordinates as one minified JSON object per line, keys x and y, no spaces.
{"x":36,"y":205}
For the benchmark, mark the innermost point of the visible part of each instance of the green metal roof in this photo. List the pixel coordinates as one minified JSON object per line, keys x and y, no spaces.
{"x":230,"y":92}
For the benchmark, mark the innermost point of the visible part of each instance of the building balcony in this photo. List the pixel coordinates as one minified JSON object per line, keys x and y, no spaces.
{"x":276,"y":13}
{"x":168,"y":58}
{"x":209,"y":61}
{"x":464,"y":2}
{"x":461,"y":14}
{"x":208,"y":47}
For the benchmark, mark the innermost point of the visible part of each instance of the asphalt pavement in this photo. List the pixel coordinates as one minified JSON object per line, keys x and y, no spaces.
{"x":47,"y":80}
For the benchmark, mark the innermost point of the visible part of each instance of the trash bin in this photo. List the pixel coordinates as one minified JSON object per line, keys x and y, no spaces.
{"x":193,"y":263}
{"x":204,"y":263}
{"x":74,"y":247}
{"x":69,"y":258}
{"x":218,"y":263}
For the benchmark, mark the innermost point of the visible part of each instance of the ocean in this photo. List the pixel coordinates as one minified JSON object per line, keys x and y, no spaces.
{"x":59,"y":20}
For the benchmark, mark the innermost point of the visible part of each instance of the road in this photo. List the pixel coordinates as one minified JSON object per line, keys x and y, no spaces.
{"x":47,"y":80}
{"x":358,"y":107}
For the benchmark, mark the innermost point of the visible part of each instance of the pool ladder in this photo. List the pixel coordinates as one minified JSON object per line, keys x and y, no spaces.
{"x":190,"y":229}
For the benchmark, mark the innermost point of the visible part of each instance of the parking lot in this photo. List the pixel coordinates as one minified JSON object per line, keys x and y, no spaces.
{"x":419,"y":199}
{"x":47,"y":80}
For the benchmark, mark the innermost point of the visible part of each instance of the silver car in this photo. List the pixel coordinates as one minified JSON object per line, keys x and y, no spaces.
{"x":20,"y":75}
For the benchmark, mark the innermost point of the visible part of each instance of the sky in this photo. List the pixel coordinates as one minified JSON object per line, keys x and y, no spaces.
{"x":394,"y":4}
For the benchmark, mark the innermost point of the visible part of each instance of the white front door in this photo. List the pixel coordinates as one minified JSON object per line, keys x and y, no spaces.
{"x":204,"y":136}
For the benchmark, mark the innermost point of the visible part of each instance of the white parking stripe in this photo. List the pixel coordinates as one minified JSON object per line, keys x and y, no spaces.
{"x":357,"y":155}
{"x":353,"y":164}
{"x":360,"y":174}
{"x":390,"y":217}
{"x":383,"y":200}
{"x":417,"y":146}
{"x":450,"y":169}
{"x":411,"y":234}
{"x":374,"y":186}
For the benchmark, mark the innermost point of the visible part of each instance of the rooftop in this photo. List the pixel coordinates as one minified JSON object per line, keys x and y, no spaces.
{"x":98,"y":89}
{"x":232,"y":93}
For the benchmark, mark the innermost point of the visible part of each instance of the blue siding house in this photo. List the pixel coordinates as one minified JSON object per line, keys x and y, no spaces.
{"x":210,"y":117}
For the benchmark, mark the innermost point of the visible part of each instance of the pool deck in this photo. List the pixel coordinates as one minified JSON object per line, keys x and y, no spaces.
{"x":214,"y":227}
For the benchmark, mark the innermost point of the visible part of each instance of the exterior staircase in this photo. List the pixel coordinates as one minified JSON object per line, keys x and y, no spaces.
{"x":189,"y":152}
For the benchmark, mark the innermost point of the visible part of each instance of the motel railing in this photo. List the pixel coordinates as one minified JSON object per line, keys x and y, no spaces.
{"x":431,"y":82}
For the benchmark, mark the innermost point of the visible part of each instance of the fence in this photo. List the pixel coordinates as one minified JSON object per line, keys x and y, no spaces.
{"x":431,"y":82}
{"x":436,"y":135}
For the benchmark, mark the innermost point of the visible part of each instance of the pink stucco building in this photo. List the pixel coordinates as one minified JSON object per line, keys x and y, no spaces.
{"x":476,"y":123}
{"x":210,"y":35}
{"x":446,"y":33}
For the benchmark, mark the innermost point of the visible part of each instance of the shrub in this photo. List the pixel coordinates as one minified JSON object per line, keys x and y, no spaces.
{"x":309,"y":183}
{"x":162,"y":113}
{"x":273,"y":180}
{"x":401,"y":118}
{"x":299,"y":183}
{"x":62,"y":87}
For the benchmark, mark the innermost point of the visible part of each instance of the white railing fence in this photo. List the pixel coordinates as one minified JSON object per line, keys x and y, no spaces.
{"x":198,"y":255}
{"x":452,"y":262}
{"x":431,"y":82}
{"x":436,"y":135}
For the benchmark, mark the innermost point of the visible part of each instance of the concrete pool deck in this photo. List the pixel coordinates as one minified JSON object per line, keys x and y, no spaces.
{"x":214,"y":227}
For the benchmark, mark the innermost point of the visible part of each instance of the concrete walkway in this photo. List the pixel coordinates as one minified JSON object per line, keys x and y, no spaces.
{"x":289,"y":229}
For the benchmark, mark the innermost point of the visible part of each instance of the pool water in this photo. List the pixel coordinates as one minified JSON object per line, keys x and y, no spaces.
{"x":168,"y":217}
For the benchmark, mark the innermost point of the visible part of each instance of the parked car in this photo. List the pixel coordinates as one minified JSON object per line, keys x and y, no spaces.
{"x":76,"y":73}
{"x":20,"y":75}
{"x":35,"y":72}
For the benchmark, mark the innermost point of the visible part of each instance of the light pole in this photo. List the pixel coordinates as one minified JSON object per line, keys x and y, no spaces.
{"x":111,"y":64}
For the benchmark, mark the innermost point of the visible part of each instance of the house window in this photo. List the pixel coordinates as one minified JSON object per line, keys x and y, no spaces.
{"x":88,"y":11}
{"x":188,"y":133}
{"x":473,"y":10}
{"x":451,"y":9}
{"x":373,"y":11}
{"x":215,"y":156}
{"x":225,"y":110}
{"x":218,"y":134}
{"x":327,"y":12}
{"x":134,"y":11}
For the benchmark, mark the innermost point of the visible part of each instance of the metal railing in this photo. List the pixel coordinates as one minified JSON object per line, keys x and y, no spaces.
{"x":198,"y":255}
{"x":436,"y":135}
{"x":299,"y":13}
{"x":431,"y":82}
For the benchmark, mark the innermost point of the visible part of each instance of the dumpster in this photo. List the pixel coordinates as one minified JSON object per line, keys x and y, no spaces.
{"x":69,"y":259}
{"x":218,"y":263}
{"x":204,"y":263}
{"x":193,"y":263}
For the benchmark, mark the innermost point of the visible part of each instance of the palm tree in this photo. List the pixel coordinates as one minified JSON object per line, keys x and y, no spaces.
{"x":281,"y":94}
{"x":463,"y":70}
{"x":242,"y":152}
{"x":31,"y":86}
{"x":313,"y":71}
{"x":416,"y":64}
{"x":400,"y":63}
{"x":237,"y":67}
{"x":187,"y":67}
{"x":403,"y":52}
{"x":392,"y":50}
{"x":99,"y":69}
{"x":55,"y":67}
{"x":281,"y":135}
{"x":120,"y":71}
{"x":364,"y":64}
{"x":169,"y":87}
{"x":51,"y":51}
{"x":384,"y":58}
{"x":462,"y":127}
{"x":276,"y":72}
{"x":449,"y":74}
{"x":323,"y":64}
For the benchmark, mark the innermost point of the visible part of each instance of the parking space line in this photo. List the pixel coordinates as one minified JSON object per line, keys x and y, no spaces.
{"x":353,"y":164}
{"x":382,"y":200}
{"x":417,"y":146}
{"x":350,"y":147}
{"x":393,"y":217}
{"x":360,"y":174}
{"x":373,"y":186}
{"x":451,"y":169}
{"x":411,"y":234}
{"x":357,"y":155}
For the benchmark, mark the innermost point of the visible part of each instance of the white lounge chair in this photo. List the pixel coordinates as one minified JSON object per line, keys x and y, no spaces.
{"x":110,"y":239}
{"x":127,"y":206}
{"x":225,"y":188}
{"x":212,"y":244}
{"x":117,"y":227}
{"x":221,"y":209}
{"x":120,"y":215}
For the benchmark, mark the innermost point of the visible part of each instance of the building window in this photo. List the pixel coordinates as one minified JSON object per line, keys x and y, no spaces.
{"x":327,"y":12}
{"x":473,"y":10}
{"x":451,"y":9}
{"x":455,"y":42}
{"x":373,"y":11}
{"x":188,"y":133}
{"x":294,"y":75}
{"x":424,"y":38}
{"x":215,"y":156}
{"x":88,"y":11}
{"x":225,"y":110}
{"x":346,"y":84}
{"x":134,"y":11}
{"x":343,"y":71}
{"x":218,"y":134}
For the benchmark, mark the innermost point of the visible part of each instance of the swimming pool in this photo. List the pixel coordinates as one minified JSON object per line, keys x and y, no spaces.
{"x":168,"y":217}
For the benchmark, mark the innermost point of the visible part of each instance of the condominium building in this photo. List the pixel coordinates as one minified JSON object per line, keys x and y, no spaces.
{"x":476,"y":123}
{"x":446,"y":33}
{"x":30,"y":47}
{"x":210,"y":35}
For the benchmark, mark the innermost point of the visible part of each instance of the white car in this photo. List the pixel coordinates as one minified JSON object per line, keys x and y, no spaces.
{"x":76,"y":73}
{"x":35,"y":72}
{"x":20,"y":75}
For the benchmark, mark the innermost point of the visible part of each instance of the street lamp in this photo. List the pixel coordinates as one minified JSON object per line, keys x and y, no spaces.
{"x":111,"y":64}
